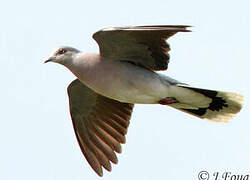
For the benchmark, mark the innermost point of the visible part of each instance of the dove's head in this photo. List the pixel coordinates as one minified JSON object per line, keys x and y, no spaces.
{"x":63,"y":55}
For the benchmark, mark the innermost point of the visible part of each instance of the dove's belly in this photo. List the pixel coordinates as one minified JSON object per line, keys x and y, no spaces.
{"x":126,"y":82}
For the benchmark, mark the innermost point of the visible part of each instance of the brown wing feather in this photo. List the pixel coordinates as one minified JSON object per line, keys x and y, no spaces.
{"x":100,"y":125}
{"x":142,"y":45}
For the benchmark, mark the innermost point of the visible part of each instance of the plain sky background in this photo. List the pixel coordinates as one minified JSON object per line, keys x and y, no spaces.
{"x":36,"y":134}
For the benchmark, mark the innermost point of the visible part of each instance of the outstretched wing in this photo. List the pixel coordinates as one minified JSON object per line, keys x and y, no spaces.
{"x":142,"y":45}
{"x":100,"y":125}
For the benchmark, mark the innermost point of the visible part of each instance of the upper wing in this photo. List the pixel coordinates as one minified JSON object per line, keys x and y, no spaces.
{"x":142,"y":45}
{"x":100,"y":125}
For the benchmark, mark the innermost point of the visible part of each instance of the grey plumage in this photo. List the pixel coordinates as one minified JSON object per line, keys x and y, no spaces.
{"x":110,"y":83}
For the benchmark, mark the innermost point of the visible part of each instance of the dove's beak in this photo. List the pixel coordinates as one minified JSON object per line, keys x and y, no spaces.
{"x":51,"y":59}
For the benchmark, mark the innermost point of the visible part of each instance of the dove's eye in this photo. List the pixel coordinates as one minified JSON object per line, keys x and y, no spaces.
{"x":62,"y":51}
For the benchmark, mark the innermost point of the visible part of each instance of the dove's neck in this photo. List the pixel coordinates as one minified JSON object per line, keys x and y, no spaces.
{"x":81,"y":65}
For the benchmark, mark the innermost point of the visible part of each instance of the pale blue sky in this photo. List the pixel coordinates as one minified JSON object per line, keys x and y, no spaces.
{"x":36,"y":134}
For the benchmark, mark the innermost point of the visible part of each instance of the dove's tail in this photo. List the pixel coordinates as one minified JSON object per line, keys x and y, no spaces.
{"x":206,"y":104}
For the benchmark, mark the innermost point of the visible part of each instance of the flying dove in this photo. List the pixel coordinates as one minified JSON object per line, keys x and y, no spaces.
{"x":108,"y":85}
